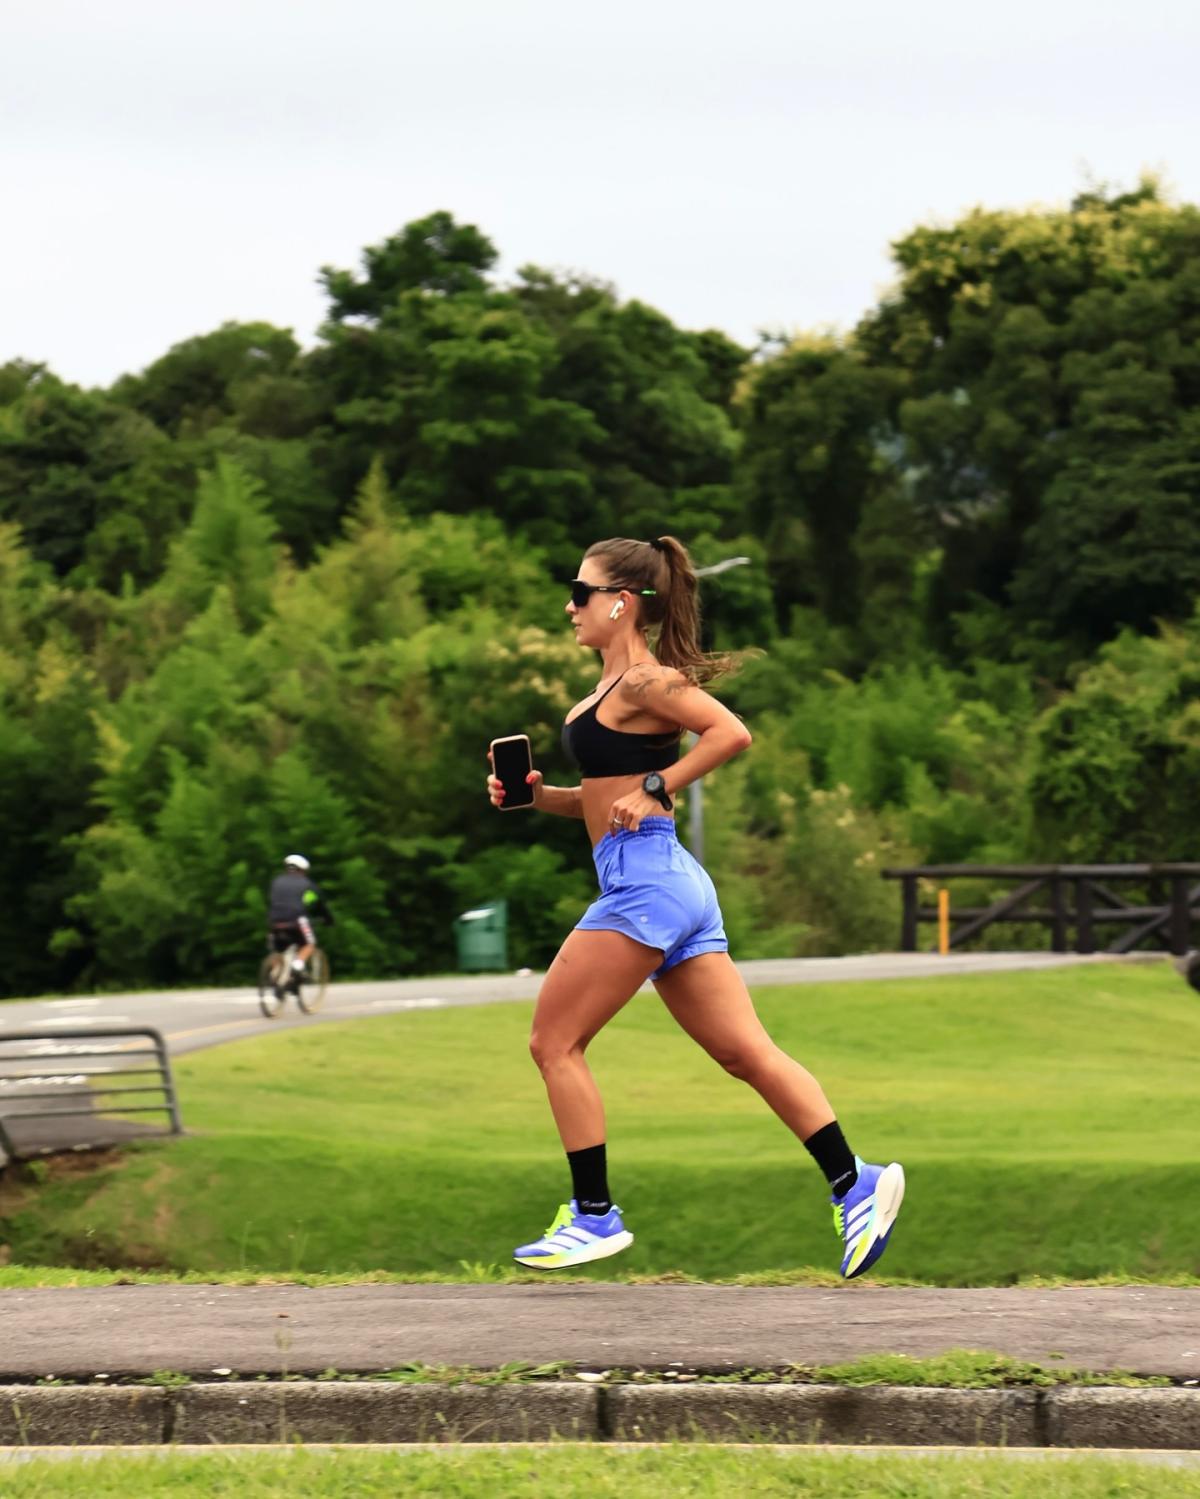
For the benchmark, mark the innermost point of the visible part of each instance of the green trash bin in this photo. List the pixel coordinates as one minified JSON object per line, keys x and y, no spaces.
{"x":482,"y":937}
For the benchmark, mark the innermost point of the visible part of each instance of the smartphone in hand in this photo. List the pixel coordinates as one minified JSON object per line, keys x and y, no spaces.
{"x":511,"y":763}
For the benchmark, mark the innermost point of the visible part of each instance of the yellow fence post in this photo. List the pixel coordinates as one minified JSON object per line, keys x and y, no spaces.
{"x":943,"y":922}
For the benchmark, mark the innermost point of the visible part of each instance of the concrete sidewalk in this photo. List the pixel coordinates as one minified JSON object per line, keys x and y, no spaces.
{"x":123,"y":1331}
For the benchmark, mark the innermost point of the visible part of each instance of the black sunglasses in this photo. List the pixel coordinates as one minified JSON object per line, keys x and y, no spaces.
{"x":581,"y":592}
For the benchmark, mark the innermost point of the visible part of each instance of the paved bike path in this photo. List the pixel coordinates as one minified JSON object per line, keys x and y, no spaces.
{"x":122,"y":1331}
{"x":193,"y":1018}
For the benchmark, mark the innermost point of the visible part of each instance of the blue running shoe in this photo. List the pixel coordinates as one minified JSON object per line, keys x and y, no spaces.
{"x":575,"y":1238}
{"x":866,"y":1215}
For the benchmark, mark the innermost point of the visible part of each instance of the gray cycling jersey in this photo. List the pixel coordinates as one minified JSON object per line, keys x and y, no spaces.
{"x":294,"y":895}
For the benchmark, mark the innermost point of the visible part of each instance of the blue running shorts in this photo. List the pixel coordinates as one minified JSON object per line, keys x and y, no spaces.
{"x":655,"y":892}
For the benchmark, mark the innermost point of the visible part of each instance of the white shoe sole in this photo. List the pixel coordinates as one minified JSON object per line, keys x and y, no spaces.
{"x":600,"y":1250}
{"x":889,"y":1194}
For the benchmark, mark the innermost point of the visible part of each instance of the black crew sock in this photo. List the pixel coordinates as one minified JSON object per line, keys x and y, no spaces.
{"x":589,"y":1179}
{"x":829,"y":1149}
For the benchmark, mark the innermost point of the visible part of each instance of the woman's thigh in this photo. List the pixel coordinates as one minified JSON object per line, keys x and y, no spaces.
{"x":708,"y":997}
{"x":594,"y":974}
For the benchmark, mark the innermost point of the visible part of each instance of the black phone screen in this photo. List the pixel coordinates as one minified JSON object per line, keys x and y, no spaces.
{"x":511,"y":763}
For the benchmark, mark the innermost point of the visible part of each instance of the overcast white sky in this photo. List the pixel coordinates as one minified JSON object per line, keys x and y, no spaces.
{"x":168,"y":165}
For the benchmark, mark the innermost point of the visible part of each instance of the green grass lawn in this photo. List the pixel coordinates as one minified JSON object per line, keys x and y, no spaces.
{"x":698,"y":1472}
{"x":1047,"y":1121}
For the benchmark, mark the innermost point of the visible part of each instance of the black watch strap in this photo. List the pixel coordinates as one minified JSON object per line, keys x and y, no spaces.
{"x":653,"y":785}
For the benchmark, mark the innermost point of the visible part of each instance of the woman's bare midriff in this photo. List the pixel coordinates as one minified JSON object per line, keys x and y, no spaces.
{"x":599,"y":793}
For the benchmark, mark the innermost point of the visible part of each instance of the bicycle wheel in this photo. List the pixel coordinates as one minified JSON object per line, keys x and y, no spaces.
{"x":270,"y":1001}
{"x":310,"y":992}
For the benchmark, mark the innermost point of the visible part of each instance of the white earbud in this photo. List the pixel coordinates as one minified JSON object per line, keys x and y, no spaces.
{"x":617,"y":609}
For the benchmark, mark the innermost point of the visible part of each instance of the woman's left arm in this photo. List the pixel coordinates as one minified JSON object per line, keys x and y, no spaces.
{"x":720,"y":733}
{"x":664,"y":693}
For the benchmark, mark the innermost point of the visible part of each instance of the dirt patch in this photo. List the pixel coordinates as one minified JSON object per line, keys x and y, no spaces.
{"x":22,"y":1182}
{"x":98,"y":1252}
{"x":69,"y":1165}
{"x":150,"y":1214}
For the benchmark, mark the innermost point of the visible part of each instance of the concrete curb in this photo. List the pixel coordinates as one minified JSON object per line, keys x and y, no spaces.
{"x":132,"y":1415}
{"x":824,"y":1413}
{"x":370,"y":1411}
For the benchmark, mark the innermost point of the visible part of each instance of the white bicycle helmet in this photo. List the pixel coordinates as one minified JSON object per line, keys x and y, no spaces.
{"x":297,"y":861}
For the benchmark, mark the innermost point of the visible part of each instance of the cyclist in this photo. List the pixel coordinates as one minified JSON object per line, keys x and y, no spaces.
{"x":294,"y":901}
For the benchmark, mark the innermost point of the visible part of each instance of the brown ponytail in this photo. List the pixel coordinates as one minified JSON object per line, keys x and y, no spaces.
{"x":671,"y":615}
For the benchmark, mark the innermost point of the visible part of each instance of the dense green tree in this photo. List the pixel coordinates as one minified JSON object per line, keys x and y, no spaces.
{"x":1115,"y":773}
{"x":433,"y":254}
{"x":453,"y":393}
{"x":1012,"y":428}
{"x":812,"y":468}
{"x":247,"y":372}
{"x":1050,"y":373}
{"x":659,"y":444}
{"x":230,"y":542}
{"x":65,"y":455}
{"x":549,"y":403}
{"x":47,"y":766}
{"x":1117,"y":541}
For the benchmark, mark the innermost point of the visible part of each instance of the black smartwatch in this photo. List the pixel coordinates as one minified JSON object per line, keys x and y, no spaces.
{"x":655,"y":786}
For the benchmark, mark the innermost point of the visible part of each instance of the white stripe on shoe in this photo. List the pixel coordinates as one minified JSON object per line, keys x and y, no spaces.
{"x":576,"y":1254}
{"x":571,"y":1238}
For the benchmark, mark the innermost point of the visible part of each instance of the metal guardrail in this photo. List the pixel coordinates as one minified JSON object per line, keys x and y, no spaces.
{"x":59,"y":1095}
{"x":1078,"y":896}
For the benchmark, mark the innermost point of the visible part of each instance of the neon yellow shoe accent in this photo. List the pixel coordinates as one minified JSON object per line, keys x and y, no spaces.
{"x":865,"y":1240}
{"x":574,"y":1244}
{"x":561,"y":1219}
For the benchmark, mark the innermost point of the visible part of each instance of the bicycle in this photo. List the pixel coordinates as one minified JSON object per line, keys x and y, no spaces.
{"x":277,"y":979}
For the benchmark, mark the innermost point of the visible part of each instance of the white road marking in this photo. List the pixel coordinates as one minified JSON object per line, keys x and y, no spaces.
{"x":56,"y":1004}
{"x":87,"y":1020}
{"x":65,"y":1049}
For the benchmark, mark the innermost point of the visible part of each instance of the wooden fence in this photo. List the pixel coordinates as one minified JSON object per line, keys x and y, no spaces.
{"x":1069,"y":899}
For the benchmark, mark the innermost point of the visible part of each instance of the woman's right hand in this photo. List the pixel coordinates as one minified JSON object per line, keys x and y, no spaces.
{"x":495,"y":788}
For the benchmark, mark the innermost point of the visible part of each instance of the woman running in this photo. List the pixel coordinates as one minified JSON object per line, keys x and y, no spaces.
{"x":657,"y":916}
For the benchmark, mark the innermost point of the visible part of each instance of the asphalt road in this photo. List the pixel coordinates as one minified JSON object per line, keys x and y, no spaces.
{"x":194,"y":1018}
{"x":198,"y":1330}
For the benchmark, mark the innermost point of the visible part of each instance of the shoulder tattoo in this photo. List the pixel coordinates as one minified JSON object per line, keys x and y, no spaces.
{"x":649,"y":674}
{"x":641,"y":678}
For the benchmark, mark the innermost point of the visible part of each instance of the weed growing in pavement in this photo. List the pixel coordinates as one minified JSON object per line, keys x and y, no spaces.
{"x":516,"y":1372}
{"x":966,"y":1369}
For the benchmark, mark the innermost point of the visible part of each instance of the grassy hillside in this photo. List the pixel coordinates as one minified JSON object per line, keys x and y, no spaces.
{"x":1047,"y":1122}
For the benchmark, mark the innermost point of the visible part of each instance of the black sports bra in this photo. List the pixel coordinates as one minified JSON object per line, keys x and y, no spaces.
{"x":601,"y":751}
